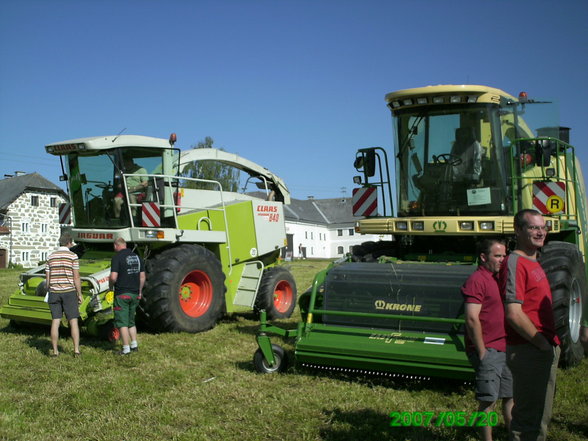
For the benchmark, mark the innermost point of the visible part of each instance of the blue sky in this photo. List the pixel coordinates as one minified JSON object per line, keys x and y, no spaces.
{"x":296,"y":86}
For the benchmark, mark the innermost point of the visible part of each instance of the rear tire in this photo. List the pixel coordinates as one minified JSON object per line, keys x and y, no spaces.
{"x":185,"y":290}
{"x":262,"y":366}
{"x":562,"y":262}
{"x":277,"y":293}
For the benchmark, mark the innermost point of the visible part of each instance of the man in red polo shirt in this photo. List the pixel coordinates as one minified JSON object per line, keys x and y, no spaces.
{"x":532,"y":346}
{"x":486,"y":336}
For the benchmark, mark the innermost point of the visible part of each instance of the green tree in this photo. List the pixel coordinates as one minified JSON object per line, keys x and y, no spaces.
{"x":226,"y":175}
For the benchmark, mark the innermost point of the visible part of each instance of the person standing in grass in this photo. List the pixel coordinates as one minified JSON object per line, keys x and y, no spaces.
{"x":486,"y":336}
{"x":532,"y":346}
{"x":65,"y":292}
{"x":127,"y":277}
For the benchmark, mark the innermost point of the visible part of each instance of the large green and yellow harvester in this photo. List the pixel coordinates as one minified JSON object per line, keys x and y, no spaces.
{"x":209,"y":246}
{"x":467,"y":159}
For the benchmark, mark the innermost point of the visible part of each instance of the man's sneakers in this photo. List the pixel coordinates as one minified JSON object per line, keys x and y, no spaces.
{"x":135,"y":349}
{"x":123,"y":353}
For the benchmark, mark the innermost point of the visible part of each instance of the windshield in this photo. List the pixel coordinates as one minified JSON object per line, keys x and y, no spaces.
{"x":450,"y":161}
{"x":95,"y":183}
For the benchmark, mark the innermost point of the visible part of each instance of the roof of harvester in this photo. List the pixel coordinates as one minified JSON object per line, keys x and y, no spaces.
{"x":484,"y":94}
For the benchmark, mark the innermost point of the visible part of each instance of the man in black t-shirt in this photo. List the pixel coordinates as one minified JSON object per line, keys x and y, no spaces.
{"x":127,"y":277}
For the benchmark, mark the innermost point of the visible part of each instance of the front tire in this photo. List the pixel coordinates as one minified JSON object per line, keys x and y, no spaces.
{"x":277,"y":293}
{"x":562,"y":262}
{"x":185,"y":290}
{"x":109,"y":332}
{"x":263,"y":367}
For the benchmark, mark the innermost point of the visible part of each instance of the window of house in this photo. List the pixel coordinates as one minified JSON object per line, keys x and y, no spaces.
{"x":25,"y":256}
{"x":43,"y":228}
{"x":312,"y":251}
{"x":311,"y":235}
{"x":43,"y":255}
{"x":306,"y":234}
{"x":53,"y":202}
{"x":339,"y":250}
{"x":24,"y":227}
{"x":339,"y":232}
{"x":351,"y":231}
{"x":35,"y":201}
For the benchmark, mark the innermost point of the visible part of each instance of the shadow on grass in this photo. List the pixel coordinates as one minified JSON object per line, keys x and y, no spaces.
{"x":398,"y":382}
{"x":579,"y":429}
{"x":39,"y":337}
{"x":43,"y":342}
{"x":442,"y":386}
{"x":368,"y":424}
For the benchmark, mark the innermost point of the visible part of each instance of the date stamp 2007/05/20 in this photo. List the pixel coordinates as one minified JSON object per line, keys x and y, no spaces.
{"x":443,"y":419}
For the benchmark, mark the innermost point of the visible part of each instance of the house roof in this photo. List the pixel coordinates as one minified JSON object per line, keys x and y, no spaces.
{"x":11,"y":188}
{"x":321,"y":211}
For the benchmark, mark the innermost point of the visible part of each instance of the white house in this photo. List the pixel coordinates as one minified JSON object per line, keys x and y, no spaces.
{"x":29,"y":220}
{"x":323,"y":228}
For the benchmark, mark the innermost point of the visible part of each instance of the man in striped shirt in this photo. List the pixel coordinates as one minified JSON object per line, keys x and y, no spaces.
{"x":65,"y":291}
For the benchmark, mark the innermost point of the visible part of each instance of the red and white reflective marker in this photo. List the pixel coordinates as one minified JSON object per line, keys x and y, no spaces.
{"x":150,"y":214}
{"x":549,"y":197}
{"x":64,"y":213}
{"x":365,"y":201}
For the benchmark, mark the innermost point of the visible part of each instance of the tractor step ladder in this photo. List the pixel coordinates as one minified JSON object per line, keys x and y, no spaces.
{"x":249,"y":283}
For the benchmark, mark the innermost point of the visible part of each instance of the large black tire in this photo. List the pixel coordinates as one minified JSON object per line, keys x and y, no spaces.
{"x":263,"y":367}
{"x":277,"y":293}
{"x":185,"y":290}
{"x":562,"y":262}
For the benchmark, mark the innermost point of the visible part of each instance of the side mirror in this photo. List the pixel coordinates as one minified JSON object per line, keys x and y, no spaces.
{"x":543,"y":151}
{"x":369,"y":163}
{"x":365,"y":161}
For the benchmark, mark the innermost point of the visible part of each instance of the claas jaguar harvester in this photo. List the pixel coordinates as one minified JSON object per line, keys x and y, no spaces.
{"x":209,"y":246}
{"x":467,"y":159}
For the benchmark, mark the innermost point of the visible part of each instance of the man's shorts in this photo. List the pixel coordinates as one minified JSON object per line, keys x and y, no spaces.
{"x":493,"y":377}
{"x":125,"y":307}
{"x":60,"y":302}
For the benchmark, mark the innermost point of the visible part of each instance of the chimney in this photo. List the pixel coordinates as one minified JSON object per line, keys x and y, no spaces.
{"x":19,"y":173}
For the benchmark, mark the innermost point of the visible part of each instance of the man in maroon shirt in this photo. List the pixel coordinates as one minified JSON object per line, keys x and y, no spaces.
{"x":532,"y":346}
{"x":486,"y":336}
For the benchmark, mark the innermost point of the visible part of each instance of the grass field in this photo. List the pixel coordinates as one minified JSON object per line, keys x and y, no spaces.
{"x":203,"y":387}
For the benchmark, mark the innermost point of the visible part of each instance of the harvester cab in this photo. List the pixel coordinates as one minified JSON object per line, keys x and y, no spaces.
{"x":467,"y":159}
{"x":209,"y":224}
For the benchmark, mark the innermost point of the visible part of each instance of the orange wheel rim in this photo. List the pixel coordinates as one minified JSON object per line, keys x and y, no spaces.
{"x":195,"y":294}
{"x":283,"y":296}
{"x":114,"y":335}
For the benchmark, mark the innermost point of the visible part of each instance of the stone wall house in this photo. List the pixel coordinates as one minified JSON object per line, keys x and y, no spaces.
{"x":29,"y":219}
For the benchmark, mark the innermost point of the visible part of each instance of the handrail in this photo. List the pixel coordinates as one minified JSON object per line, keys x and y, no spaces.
{"x":168,"y":180}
